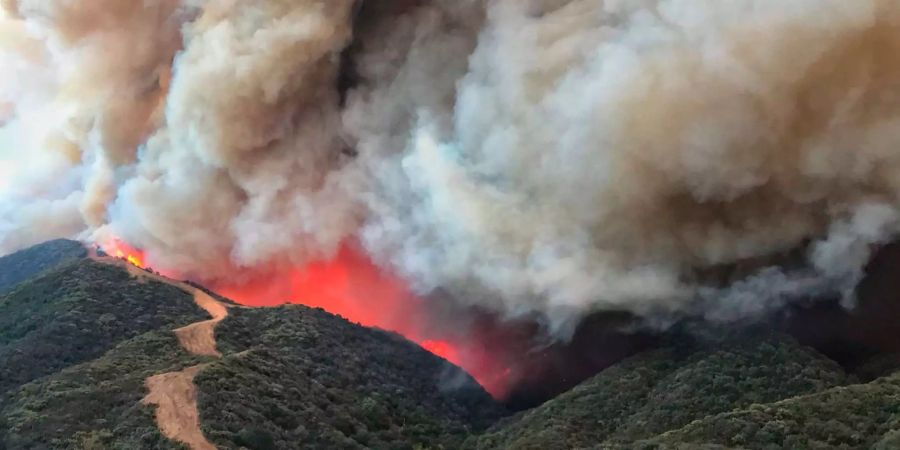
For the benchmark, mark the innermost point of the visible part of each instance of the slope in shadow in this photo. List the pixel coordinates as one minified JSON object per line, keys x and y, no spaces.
{"x":696,"y":374}
{"x":296,"y":377}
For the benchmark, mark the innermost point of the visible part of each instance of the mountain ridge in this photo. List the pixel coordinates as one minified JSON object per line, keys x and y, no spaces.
{"x":81,"y":337}
{"x":95,"y":400}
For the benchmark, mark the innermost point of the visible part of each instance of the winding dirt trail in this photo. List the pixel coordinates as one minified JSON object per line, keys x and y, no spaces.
{"x":174,"y":394}
{"x":177,"y":416}
{"x":200,"y":338}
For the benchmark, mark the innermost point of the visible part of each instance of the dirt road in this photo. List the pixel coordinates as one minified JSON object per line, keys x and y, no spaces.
{"x":175,"y":397}
{"x":174,"y":394}
{"x":200,"y":338}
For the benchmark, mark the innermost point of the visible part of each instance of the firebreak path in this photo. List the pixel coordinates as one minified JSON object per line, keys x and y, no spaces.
{"x":174,"y":394}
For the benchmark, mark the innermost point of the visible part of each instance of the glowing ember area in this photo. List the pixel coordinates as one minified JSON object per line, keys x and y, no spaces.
{"x":351,"y":286}
{"x":440,"y":348}
{"x":121,"y":250}
{"x":135,"y":260}
{"x":471,"y":355}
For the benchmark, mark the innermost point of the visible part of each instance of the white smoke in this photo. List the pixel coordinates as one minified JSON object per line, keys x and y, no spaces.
{"x":549,"y":157}
{"x":240,"y":172}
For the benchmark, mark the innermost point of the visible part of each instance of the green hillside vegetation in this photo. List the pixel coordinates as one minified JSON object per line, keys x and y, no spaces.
{"x":307,"y":379}
{"x":78,"y":312}
{"x":27,"y":263}
{"x":95,"y":405}
{"x":668,"y":388}
{"x":79,"y":338}
{"x":861,"y":416}
{"x":77,"y":343}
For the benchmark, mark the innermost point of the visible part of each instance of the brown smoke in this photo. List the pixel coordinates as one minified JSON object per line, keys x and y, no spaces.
{"x":553,"y":157}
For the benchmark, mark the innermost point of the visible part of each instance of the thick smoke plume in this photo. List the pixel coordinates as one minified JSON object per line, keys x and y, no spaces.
{"x":540,"y":158}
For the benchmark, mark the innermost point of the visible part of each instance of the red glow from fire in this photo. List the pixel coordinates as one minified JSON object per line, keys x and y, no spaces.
{"x":441,"y":348}
{"x":351,"y":286}
{"x":121,"y":250}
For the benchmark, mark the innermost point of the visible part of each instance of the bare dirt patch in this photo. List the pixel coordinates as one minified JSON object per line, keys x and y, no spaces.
{"x":174,"y":394}
{"x":199,"y":338}
{"x":175,"y":397}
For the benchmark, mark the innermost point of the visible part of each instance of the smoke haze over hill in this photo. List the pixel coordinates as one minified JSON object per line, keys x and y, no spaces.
{"x":542,"y":158}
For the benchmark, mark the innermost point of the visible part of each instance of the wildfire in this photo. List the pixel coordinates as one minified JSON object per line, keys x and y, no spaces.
{"x":441,"y":348}
{"x":133,"y":259}
{"x":121,"y":250}
{"x":351,"y":286}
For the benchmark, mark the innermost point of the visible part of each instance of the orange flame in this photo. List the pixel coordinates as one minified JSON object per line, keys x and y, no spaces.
{"x":133,"y":259}
{"x":121,"y":250}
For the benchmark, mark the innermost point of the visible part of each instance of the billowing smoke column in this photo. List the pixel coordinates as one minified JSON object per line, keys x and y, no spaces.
{"x":545,"y":159}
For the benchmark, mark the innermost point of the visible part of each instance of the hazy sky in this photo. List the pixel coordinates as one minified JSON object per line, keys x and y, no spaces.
{"x":7,"y":153}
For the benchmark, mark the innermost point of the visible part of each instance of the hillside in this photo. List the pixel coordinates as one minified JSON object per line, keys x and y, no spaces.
{"x":27,"y":263}
{"x":696,"y":375}
{"x":80,"y":342}
{"x":78,"y":312}
{"x":96,"y":404}
{"x":98,"y":354}
{"x":307,"y":379}
{"x":860,"y":416}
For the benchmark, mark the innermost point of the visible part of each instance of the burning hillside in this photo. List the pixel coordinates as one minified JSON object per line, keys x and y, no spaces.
{"x":351,"y":286}
{"x":480,"y":176}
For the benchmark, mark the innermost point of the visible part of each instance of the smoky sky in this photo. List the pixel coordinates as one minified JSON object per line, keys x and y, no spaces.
{"x":547,"y":157}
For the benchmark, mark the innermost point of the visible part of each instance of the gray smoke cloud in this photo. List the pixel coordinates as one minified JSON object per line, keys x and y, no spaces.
{"x":544,"y":157}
